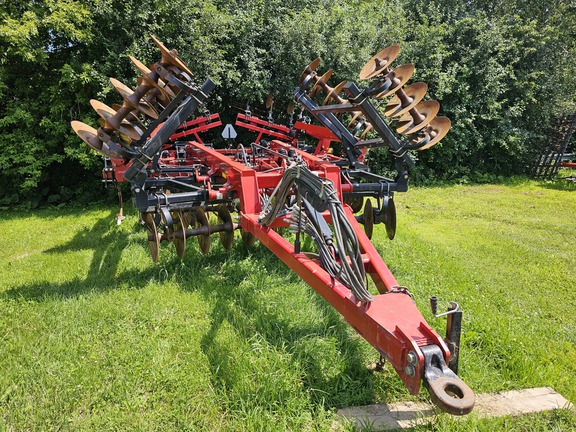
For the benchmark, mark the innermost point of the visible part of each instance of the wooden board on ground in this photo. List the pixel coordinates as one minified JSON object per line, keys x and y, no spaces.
{"x":400,"y":415}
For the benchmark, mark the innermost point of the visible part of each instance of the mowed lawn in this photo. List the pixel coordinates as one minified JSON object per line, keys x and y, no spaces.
{"x":94,"y":336}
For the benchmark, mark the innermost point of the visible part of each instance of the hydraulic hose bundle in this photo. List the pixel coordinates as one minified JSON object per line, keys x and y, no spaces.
{"x":341,"y":258}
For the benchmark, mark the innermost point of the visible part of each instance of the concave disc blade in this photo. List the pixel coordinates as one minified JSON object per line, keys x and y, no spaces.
{"x":402,"y":74}
{"x":368,"y":219}
{"x":226,"y":237}
{"x":323,"y":79}
{"x":130,"y":118}
{"x":356,"y":204}
{"x":390,"y":218}
{"x":154,"y":96}
{"x":127,"y":93}
{"x":440,"y":127}
{"x":170,"y":58}
{"x":180,"y":228}
{"x":379,"y":62}
{"x":332,"y":94}
{"x":414,"y":92}
{"x":88,"y":134}
{"x":428,"y":109}
{"x":202,"y":221}
{"x":147,"y":80}
{"x":248,"y":238}
{"x":106,"y":113}
{"x":309,"y":69}
{"x":153,"y":237}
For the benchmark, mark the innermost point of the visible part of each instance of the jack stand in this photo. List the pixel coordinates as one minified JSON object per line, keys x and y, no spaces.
{"x":453,"y":331}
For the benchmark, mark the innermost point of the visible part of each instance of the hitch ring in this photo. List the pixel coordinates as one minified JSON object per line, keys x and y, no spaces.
{"x":447,"y":390}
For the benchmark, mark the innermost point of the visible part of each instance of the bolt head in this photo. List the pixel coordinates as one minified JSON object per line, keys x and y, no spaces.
{"x":412,"y":358}
{"x":409,"y":370}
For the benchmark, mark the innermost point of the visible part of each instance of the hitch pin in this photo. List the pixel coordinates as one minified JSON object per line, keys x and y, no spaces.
{"x":454,"y":307}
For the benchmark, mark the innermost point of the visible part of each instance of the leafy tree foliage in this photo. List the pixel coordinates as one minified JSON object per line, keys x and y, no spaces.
{"x":502,"y":70}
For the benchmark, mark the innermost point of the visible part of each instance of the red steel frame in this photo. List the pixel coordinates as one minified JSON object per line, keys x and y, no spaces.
{"x":201,"y":123}
{"x":263,"y":127}
{"x":391,"y":322}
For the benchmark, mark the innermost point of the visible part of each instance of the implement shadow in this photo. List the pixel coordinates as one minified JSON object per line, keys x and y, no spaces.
{"x":236,"y":294}
{"x":107,"y":242}
{"x":560,"y":184}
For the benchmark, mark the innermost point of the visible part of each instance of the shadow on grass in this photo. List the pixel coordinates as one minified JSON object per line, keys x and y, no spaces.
{"x":219,"y":278}
{"x":107,"y":244}
{"x":560,"y":184}
{"x":51,"y":212}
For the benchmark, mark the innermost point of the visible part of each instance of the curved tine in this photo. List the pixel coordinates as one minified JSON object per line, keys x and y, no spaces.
{"x":354,"y":119}
{"x":368,"y":128}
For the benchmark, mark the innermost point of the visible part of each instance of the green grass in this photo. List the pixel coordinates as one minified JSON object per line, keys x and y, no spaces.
{"x":94,"y":336}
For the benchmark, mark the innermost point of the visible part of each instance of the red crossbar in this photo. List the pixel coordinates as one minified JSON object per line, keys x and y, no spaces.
{"x":202,"y":124}
{"x":263,"y":127}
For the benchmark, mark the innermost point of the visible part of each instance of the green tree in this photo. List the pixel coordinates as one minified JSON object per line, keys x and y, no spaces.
{"x":38,"y":40}
{"x":502,"y":70}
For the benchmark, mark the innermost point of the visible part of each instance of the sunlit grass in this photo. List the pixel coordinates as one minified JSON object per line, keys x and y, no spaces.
{"x":95,"y":336}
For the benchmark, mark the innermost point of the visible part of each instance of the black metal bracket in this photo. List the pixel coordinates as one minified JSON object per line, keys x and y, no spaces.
{"x":361,"y":101}
{"x":137,"y":173}
{"x":329,"y":120}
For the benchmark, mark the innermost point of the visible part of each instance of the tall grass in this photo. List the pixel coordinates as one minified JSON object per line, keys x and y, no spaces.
{"x":94,"y":336}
